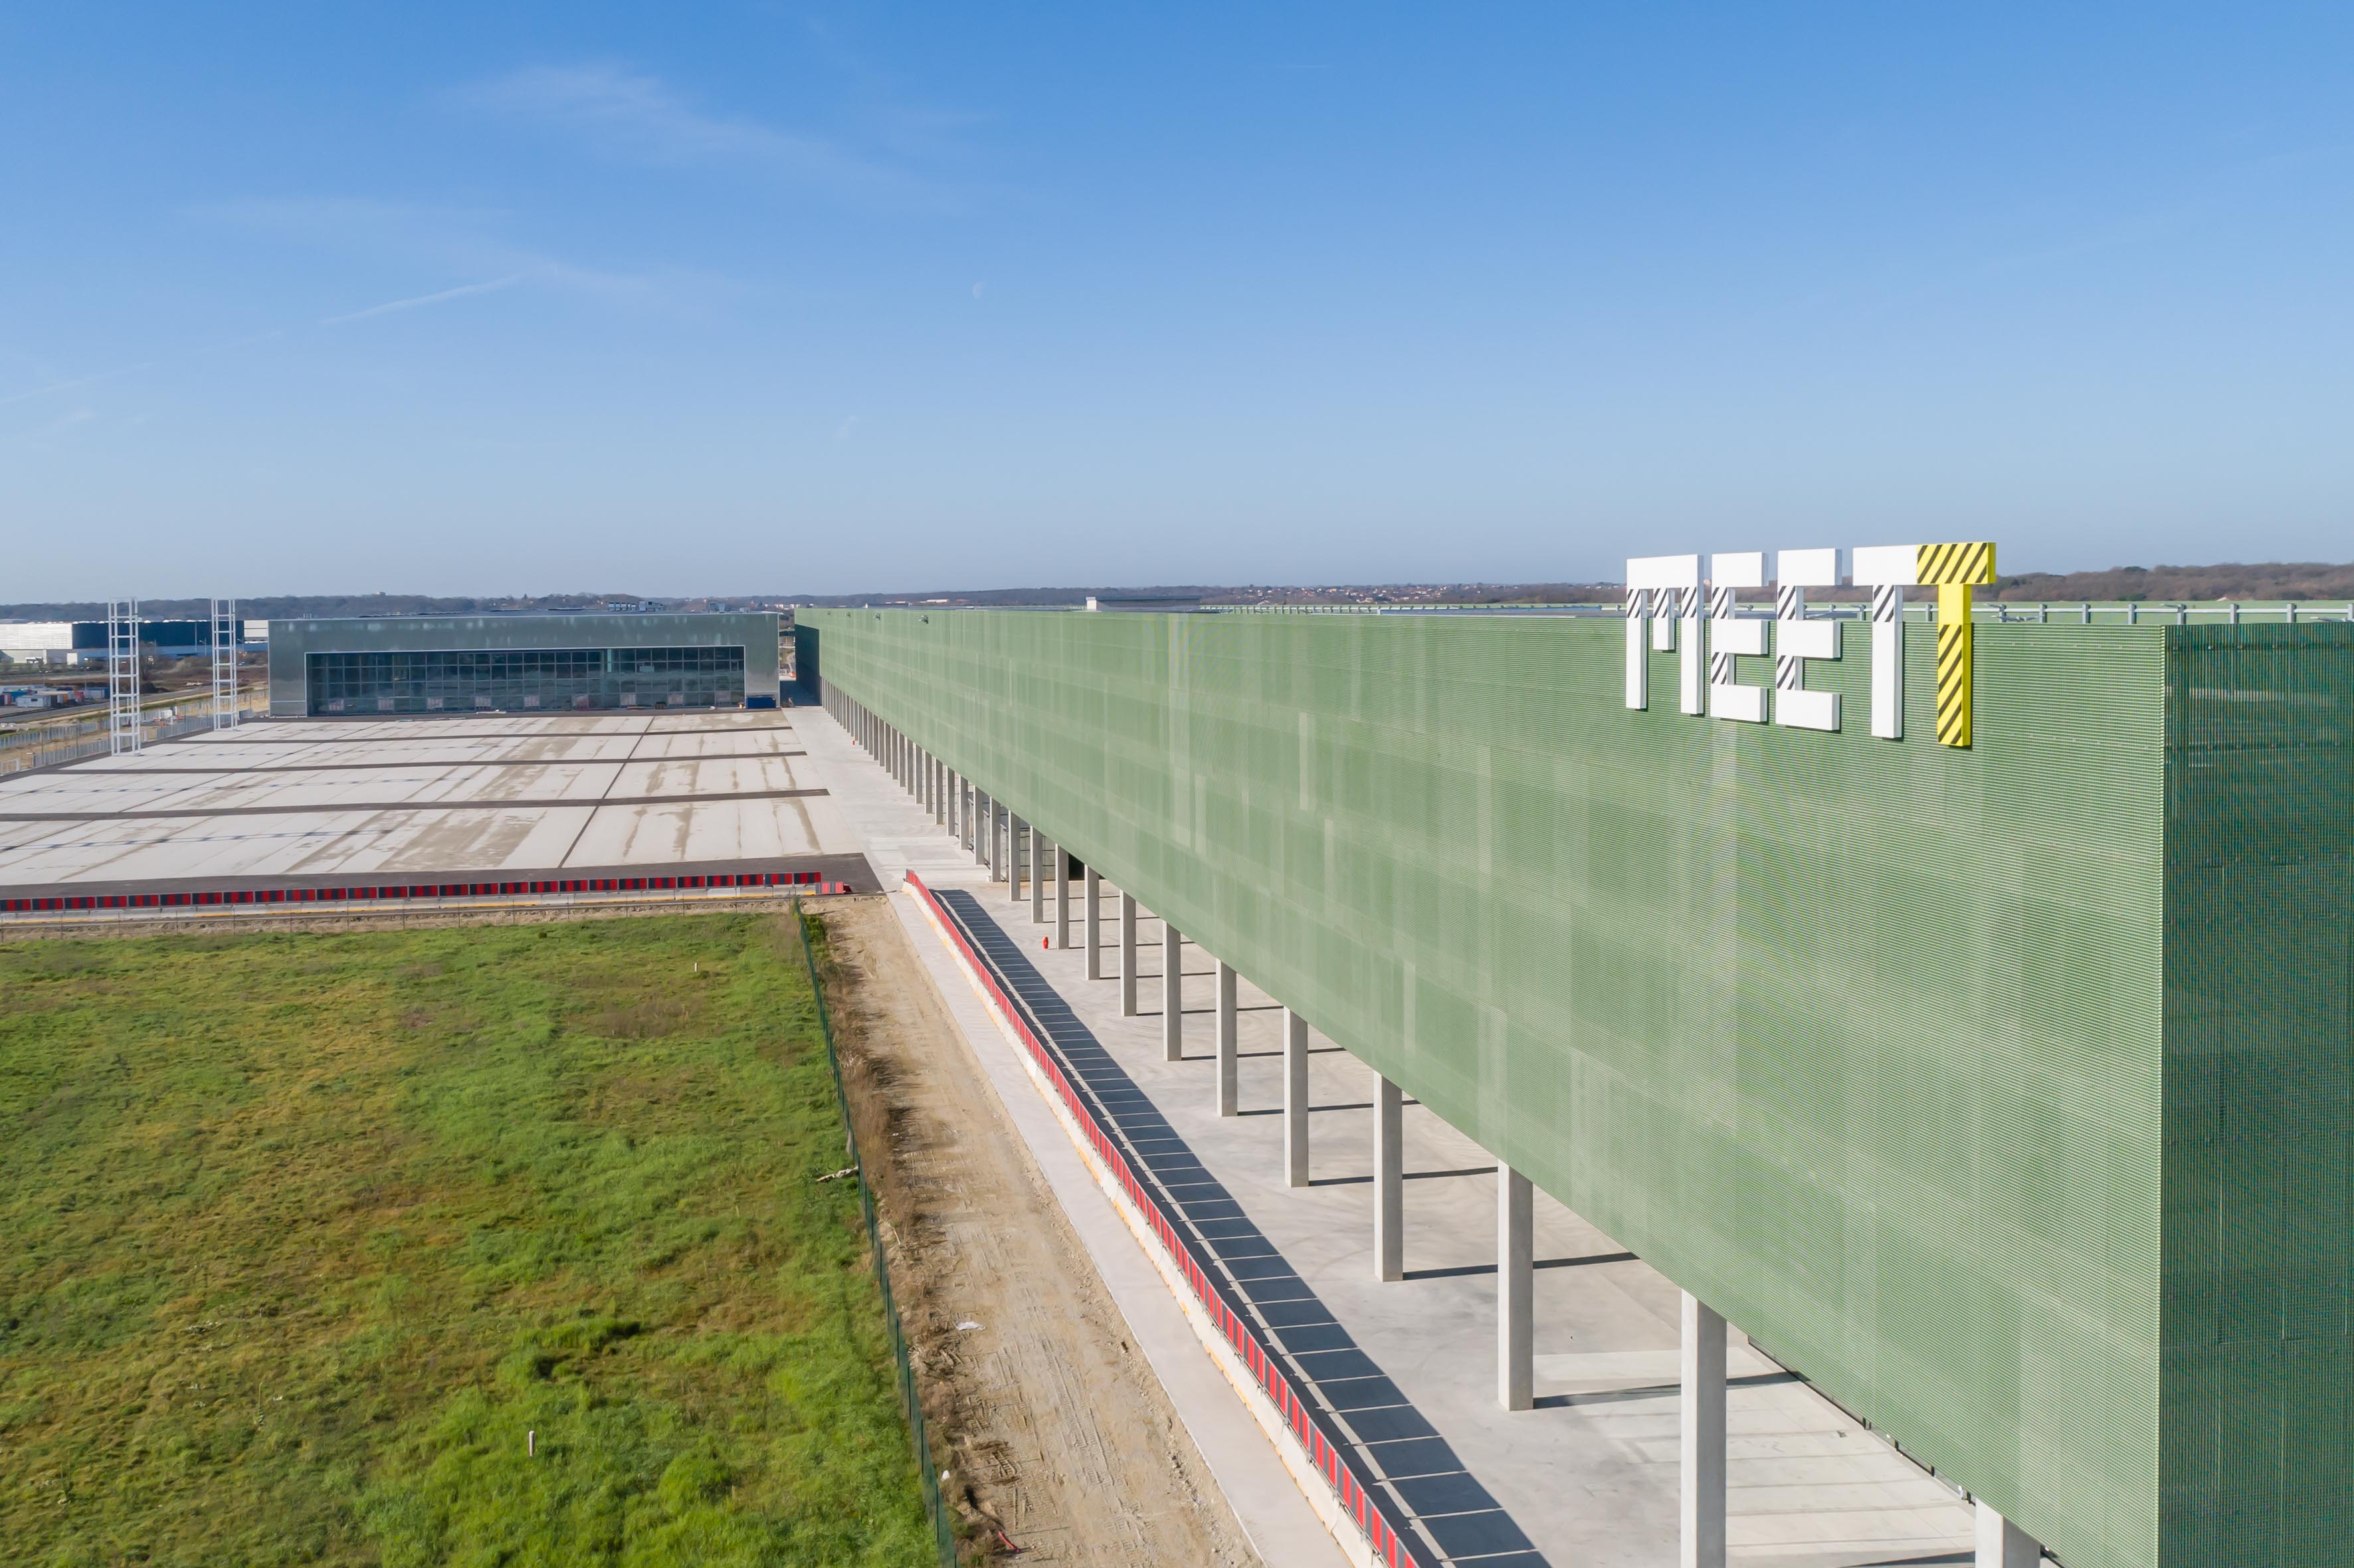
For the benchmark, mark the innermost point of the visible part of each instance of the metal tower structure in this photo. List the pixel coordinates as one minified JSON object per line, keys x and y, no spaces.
{"x":225,"y":639}
{"x":122,"y":733}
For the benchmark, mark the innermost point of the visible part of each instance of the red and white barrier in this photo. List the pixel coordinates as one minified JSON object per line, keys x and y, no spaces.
{"x":1330,"y":1474}
{"x":806,"y":881}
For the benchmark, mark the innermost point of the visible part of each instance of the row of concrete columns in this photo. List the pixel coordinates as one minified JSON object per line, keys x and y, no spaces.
{"x":1002,"y":841}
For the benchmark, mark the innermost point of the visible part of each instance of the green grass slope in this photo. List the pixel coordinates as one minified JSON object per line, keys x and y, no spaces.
{"x":302,"y":1235}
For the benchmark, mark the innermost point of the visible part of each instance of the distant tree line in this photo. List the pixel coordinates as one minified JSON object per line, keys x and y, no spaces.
{"x":2272,"y":580}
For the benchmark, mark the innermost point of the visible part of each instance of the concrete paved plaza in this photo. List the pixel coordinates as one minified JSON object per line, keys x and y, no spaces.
{"x":1588,"y":1476}
{"x":487,"y":792}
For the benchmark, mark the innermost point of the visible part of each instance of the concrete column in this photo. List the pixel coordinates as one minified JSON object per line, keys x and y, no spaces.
{"x":1295,"y":1100}
{"x":984,"y":832}
{"x":1093,"y":928}
{"x":1062,"y":896}
{"x":1229,"y":1064}
{"x":1515,"y":1289}
{"x":2002,"y":1544}
{"x":1000,"y":840}
{"x":1172,"y":991}
{"x":1389,"y":1181}
{"x":1126,"y":955}
{"x":1703,"y":1503}
{"x":1017,"y":836}
{"x":1039,"y":847}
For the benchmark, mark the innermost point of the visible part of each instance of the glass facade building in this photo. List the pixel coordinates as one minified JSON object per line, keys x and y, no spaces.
{"x":402,"y":666}
{"x":510,"y":679}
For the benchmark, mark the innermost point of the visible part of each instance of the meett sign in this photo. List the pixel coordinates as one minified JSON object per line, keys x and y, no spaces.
{"x":1698,"y":591}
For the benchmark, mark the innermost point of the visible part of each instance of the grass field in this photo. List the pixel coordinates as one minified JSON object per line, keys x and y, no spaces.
{"x":302,"y":1235}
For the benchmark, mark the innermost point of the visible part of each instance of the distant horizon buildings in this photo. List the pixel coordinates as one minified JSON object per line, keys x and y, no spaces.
{"x":84,"y":641}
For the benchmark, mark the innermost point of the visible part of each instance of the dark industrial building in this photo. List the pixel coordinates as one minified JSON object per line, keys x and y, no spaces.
{"x":466,"y":664}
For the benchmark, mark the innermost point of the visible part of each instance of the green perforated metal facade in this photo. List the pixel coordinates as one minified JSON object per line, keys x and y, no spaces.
{"x":2003,"y":1091}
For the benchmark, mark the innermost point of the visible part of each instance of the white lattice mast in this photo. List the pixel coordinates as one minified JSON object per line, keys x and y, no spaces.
{"x":123,"y":676}
{"x":226,"y":631}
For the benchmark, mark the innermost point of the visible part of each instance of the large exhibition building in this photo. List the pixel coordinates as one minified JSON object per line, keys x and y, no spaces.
{"x":462,"y":663}
{"x":1966,"y":1020}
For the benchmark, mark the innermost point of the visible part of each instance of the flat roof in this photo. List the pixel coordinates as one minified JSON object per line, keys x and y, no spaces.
{"x":494,"y":792}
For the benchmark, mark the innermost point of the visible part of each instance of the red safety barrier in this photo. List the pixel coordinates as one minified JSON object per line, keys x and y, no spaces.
{"x":1341,"y":1469}
{"x":64,"y":902}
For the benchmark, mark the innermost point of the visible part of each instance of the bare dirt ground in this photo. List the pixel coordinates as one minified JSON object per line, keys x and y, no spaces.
{"x":1060,"y":1432}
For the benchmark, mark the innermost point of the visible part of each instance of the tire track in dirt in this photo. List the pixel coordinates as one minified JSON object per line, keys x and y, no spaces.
{"x":1057,"y":1431}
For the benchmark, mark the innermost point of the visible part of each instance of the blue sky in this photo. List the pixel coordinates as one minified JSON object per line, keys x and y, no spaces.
{"x":735,"y":299}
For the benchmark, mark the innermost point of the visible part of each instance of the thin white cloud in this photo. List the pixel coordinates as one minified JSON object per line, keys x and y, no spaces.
{"x":639,"y":118}
{"x":40,"y":434}
{"x":420,"y":301}
{"x":456,"y":238}
{"x":56,"y":387}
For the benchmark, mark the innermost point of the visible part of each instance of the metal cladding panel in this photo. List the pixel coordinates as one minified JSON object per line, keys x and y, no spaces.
{"x":1860,"y":1041}
{"x":2258,"y":1369}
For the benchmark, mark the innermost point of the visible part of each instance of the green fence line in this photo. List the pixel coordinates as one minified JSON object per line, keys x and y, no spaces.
{"x":943,"y":1526}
